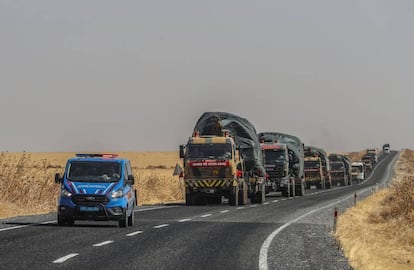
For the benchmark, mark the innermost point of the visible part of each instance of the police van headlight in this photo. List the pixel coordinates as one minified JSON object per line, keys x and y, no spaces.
{"x":117,"y":194}
{"x":65,"y":193}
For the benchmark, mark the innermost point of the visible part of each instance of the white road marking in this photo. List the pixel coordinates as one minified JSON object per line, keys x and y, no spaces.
{"x":67,"y":257}
{"x":185,"y":220}
{"x":134,"y":233}
{"x":253,"y":205}
{"x":238,"y":208}
{"x":13,"y":228}
{"x":103,"y":243}
{"x":206,"y":215}
{"x":161,"y":226}
{"x":275,"y":201}
{"x":224,"y":211}
{"x":265,"y":247}
{"x":155,"y":208}
{"x":284,"y":199}
{"x":266,"y":203}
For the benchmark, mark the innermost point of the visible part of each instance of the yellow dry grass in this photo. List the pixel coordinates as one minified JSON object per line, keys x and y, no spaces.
{"x":378,"y":233}
{"x":27,"y":180}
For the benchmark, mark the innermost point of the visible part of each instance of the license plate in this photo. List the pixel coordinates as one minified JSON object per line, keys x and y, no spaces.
{"x":89,"y":209}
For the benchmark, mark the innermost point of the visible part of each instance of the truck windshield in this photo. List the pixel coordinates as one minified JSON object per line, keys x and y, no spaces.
{"x":274,"y":155}
{"x":210,"y":151}
{"x":310,"y":164}
{"x":337,"y":166}
{"x":357,"y":169}
{"x":92,"y":171}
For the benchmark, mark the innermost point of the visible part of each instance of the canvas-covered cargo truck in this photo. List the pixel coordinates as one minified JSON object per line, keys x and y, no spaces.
{"x":358,"y":171}
{"x":313,"y":173}
{"x":312,"y":151}
{"x":296,"y":178}
{"x":340,"y":170}
{"x":276,"y":163}
{"x":210,"y":176}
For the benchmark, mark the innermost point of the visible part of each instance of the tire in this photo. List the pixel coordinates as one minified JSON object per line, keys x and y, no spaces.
{"x":214,"y":200}
{"x":260,"y":195}
{"x":285,"y":193}
{"x":61,"y":221}
{"x":300,"y":190}
{"x":243,"y":197}
{"x":234,"y":197}
{"x":124,"y":221}
{"x":189,"y":199}
{"x":131,"y":218}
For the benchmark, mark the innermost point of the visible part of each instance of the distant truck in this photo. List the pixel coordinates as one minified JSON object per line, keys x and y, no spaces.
{"x":374,"y":156}
{"x":341,"y":170}
{"x":326,"y":168}
{"x":96,"y":187}
{"x":368,"y":163}
{"x":313,"y":173}
{"x":358,"y":171}
{"x":386,"y":149}
{"x":276,"y":163}
{"x":223,"y":158}
{"x":296,"y":162}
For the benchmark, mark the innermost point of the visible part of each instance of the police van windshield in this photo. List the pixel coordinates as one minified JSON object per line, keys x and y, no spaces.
{"x":274,"y":155}
{"x":209,"y":151}
{"x":90,"y":171}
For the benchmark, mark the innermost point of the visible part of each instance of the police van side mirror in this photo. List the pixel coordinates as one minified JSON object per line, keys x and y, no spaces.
{"x":131,"y":179}
{"x":58,"y":179}
{"x":182,"y":150}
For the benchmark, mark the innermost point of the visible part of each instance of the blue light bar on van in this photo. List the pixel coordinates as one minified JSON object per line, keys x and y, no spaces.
{"x":98,"y":155}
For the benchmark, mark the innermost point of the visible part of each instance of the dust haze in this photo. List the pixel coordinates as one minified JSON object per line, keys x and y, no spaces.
{"x":136,"y":75}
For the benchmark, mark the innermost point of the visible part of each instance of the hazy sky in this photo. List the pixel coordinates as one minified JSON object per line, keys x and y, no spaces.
{"x":136,"y":75}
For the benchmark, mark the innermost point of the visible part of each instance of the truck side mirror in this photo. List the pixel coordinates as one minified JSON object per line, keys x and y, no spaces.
{"x":58,"y":179}
{"x":182,"y":147}
{"x":131,"y":179}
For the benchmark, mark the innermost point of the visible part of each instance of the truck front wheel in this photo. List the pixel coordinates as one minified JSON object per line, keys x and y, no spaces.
{"x":234,"y":197}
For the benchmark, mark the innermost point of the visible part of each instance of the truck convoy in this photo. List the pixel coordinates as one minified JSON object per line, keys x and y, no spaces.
{"x":312,"y":151}
{"x":296,"y":173}
{"x":96,"y":187}
{"x":223,"y":158}
{"x":276,"y":163}
{"x":358,"y":171}
{"x":340,"y":170}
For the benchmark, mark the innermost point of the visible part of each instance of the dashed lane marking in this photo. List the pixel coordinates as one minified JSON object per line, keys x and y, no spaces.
{"x":161,"y":226}
{"x":206,"y":215}
{"x":103,"y":243}
{"x":134,"y":233}
{"x":225,"y":211}
{"x":185,"y":220}
{"x":65,"y":258}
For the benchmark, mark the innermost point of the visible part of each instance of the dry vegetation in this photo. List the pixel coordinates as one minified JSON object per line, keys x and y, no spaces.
{"x":27,"y":180}
{"x":378,"y":233}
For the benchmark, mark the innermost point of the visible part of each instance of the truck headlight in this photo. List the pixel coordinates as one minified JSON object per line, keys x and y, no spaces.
{"x":117,"y":194}
{"x":65,"y":193}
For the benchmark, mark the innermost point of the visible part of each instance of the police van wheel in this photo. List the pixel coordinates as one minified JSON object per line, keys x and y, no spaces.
{"x":131,"y":219}
{"x":124,"y":221}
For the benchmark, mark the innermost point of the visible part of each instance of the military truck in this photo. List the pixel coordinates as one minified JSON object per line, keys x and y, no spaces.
{"x":312,"y":151}
{"x":313,"y":173}
{"x":235,"y":171}
{"x":368,"y":163}
{"x":340,"y":169}
{"x":296,"y":177}
{"x":358,"y":171}
{"x":276,"y":163}
{"x":373,"y":154}
{"x":386,"y":148}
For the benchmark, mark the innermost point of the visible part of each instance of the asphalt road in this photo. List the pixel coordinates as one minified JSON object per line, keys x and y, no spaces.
{"x":279,"y":234}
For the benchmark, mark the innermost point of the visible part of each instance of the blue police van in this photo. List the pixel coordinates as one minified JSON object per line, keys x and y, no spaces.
{"x":96,"y":187}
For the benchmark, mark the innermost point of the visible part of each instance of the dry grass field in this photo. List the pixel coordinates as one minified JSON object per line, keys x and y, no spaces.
{"x":378,"y":233}
{"x":27,"y":180}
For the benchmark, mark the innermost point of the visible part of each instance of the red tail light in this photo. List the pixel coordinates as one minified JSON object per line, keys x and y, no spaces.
{"x":181,"y":174}
{"x":239,"y":174}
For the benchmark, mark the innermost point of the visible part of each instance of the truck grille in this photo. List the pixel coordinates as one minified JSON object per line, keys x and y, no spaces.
{"x":90,"y":199}
{"x":212,"y":172}
{"x":275,"y":172}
